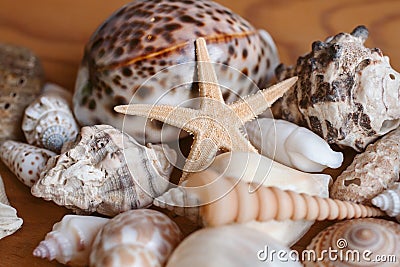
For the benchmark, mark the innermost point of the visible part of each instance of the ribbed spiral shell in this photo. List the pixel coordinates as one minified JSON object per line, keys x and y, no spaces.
{"x":389,"y":200}
{"x":224,"y":200}
{"x":70,"y":240}
{"x":353,"y":237}
{"x":135,"y":238}
{"x":48,"y":121}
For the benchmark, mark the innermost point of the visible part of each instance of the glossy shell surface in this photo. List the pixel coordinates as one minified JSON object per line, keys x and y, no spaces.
{"x":132,"y":53}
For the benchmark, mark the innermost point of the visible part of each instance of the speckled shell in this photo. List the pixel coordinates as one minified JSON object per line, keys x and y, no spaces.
{"x":70,"y":240}
{"x":48,"y":121}
{"x":346,"y":93}
{"x":251,"y":167}
{"x":380,"y":237}
{"x":233,"y":246}
{"x":136,"y":238}
{"x":389,"y":200}
{"x":143,"y":38}
{"x":21,"y":77}
{"x":25,"y":161}
{"x":9,"y":221}
{"x":294,"y":146}
{"x":371,"y":172}
{"x":105,"y":171}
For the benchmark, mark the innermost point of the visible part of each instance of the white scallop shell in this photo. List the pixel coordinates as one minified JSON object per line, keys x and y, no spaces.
{"x":291,"y":145}
{"x":9,"y":221}
{"x":70,"y":240}
{"x":48,"y":121}
{"x":389,"y":200}
{"x":232,"y":245}
{"x":25,"y":161}
{"x":251,"y":167}
{"x":135,"y":238}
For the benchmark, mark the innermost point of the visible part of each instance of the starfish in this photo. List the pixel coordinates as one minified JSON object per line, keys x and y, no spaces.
{"x":216,"y":125}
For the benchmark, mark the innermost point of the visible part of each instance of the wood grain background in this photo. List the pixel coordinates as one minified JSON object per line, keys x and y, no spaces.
{"x":56,"y":30}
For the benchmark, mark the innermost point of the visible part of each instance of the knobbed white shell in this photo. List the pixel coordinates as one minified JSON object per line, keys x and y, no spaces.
{"x":135,"y":238}
{"x":233,"y":246}
{"x":291,"y":145}
{"x":48,"y":121}
{"x":254,"y":168}
{"x":380,"y":237}
{"x":9,"y":221}
{"x":25,"y":161}
{"x":70,"y":240}
{"x":389,"y":200}
{"x":105,"y":171}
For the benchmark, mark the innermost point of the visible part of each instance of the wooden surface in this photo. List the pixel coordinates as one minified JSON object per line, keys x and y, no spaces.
{"x":58,"y":30}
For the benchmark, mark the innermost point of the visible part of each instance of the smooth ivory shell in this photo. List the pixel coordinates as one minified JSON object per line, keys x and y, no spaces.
{"x":25,"y":161}
{"x":389,"y":200}
{"x":354,"y":237}
{"x":135,"y":238}
{"x":70,"y":240}
{"x":106,"y":171}
{"x":48,"y":121}
{"x":233,"y":246}
{"x":294,"y":146}
{"x":346,"y":93}
{"x":150,"y":59}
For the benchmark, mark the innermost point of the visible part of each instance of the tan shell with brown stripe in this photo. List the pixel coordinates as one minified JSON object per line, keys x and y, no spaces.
{"x":133,"y":51}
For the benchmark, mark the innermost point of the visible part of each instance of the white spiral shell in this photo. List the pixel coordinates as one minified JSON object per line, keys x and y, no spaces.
{"x":232,"y":245}
{"x":291,"y":145}
{"x":25,"y":161}
{"x":389,"y":200}
{"x":48,"y":121}
{"x":135,"y":238}
{"x":71,"y":240}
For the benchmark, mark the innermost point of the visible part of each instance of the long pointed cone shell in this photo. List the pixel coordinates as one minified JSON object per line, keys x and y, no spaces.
{"x":25,"y":161}
{"x":71,"y":240}
{"x":224,"y":200}
{"x":389,"y":200}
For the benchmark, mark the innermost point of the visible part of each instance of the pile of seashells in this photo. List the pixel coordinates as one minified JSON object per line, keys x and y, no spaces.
{"x":266,"y":188}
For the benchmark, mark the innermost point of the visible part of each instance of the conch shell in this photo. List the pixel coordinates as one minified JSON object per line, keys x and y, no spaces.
{"x":106,"y":171}
{"x":346,"y":93}
{"x":48,"y":121}
{"x":71,"y":240}
{"x":351,"y":240}
{"x":291,"y":145}
{"x":21,"y":76}
{"x":9,"y":221}
{"x":136,"y":238}
{"x":371,"y":172}
{"x":389,"y":200}
{"x":25,"y":161}
{"x":231,"y":245}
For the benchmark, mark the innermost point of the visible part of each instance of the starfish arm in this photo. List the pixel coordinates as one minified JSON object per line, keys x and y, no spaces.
{"x":251,"y":106}
{"x":201,"y":155}
{"x":207,"y":78}
{"x":237,"y":142}
{"x":176,"y":116}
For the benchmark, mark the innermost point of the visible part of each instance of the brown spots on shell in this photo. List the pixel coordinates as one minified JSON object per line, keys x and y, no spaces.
{"x":316,"y":126}
{"x":144,"y":92}
{"x":92,"y":104}
{"x":332,"y":132}
{"x":190,"y":19}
